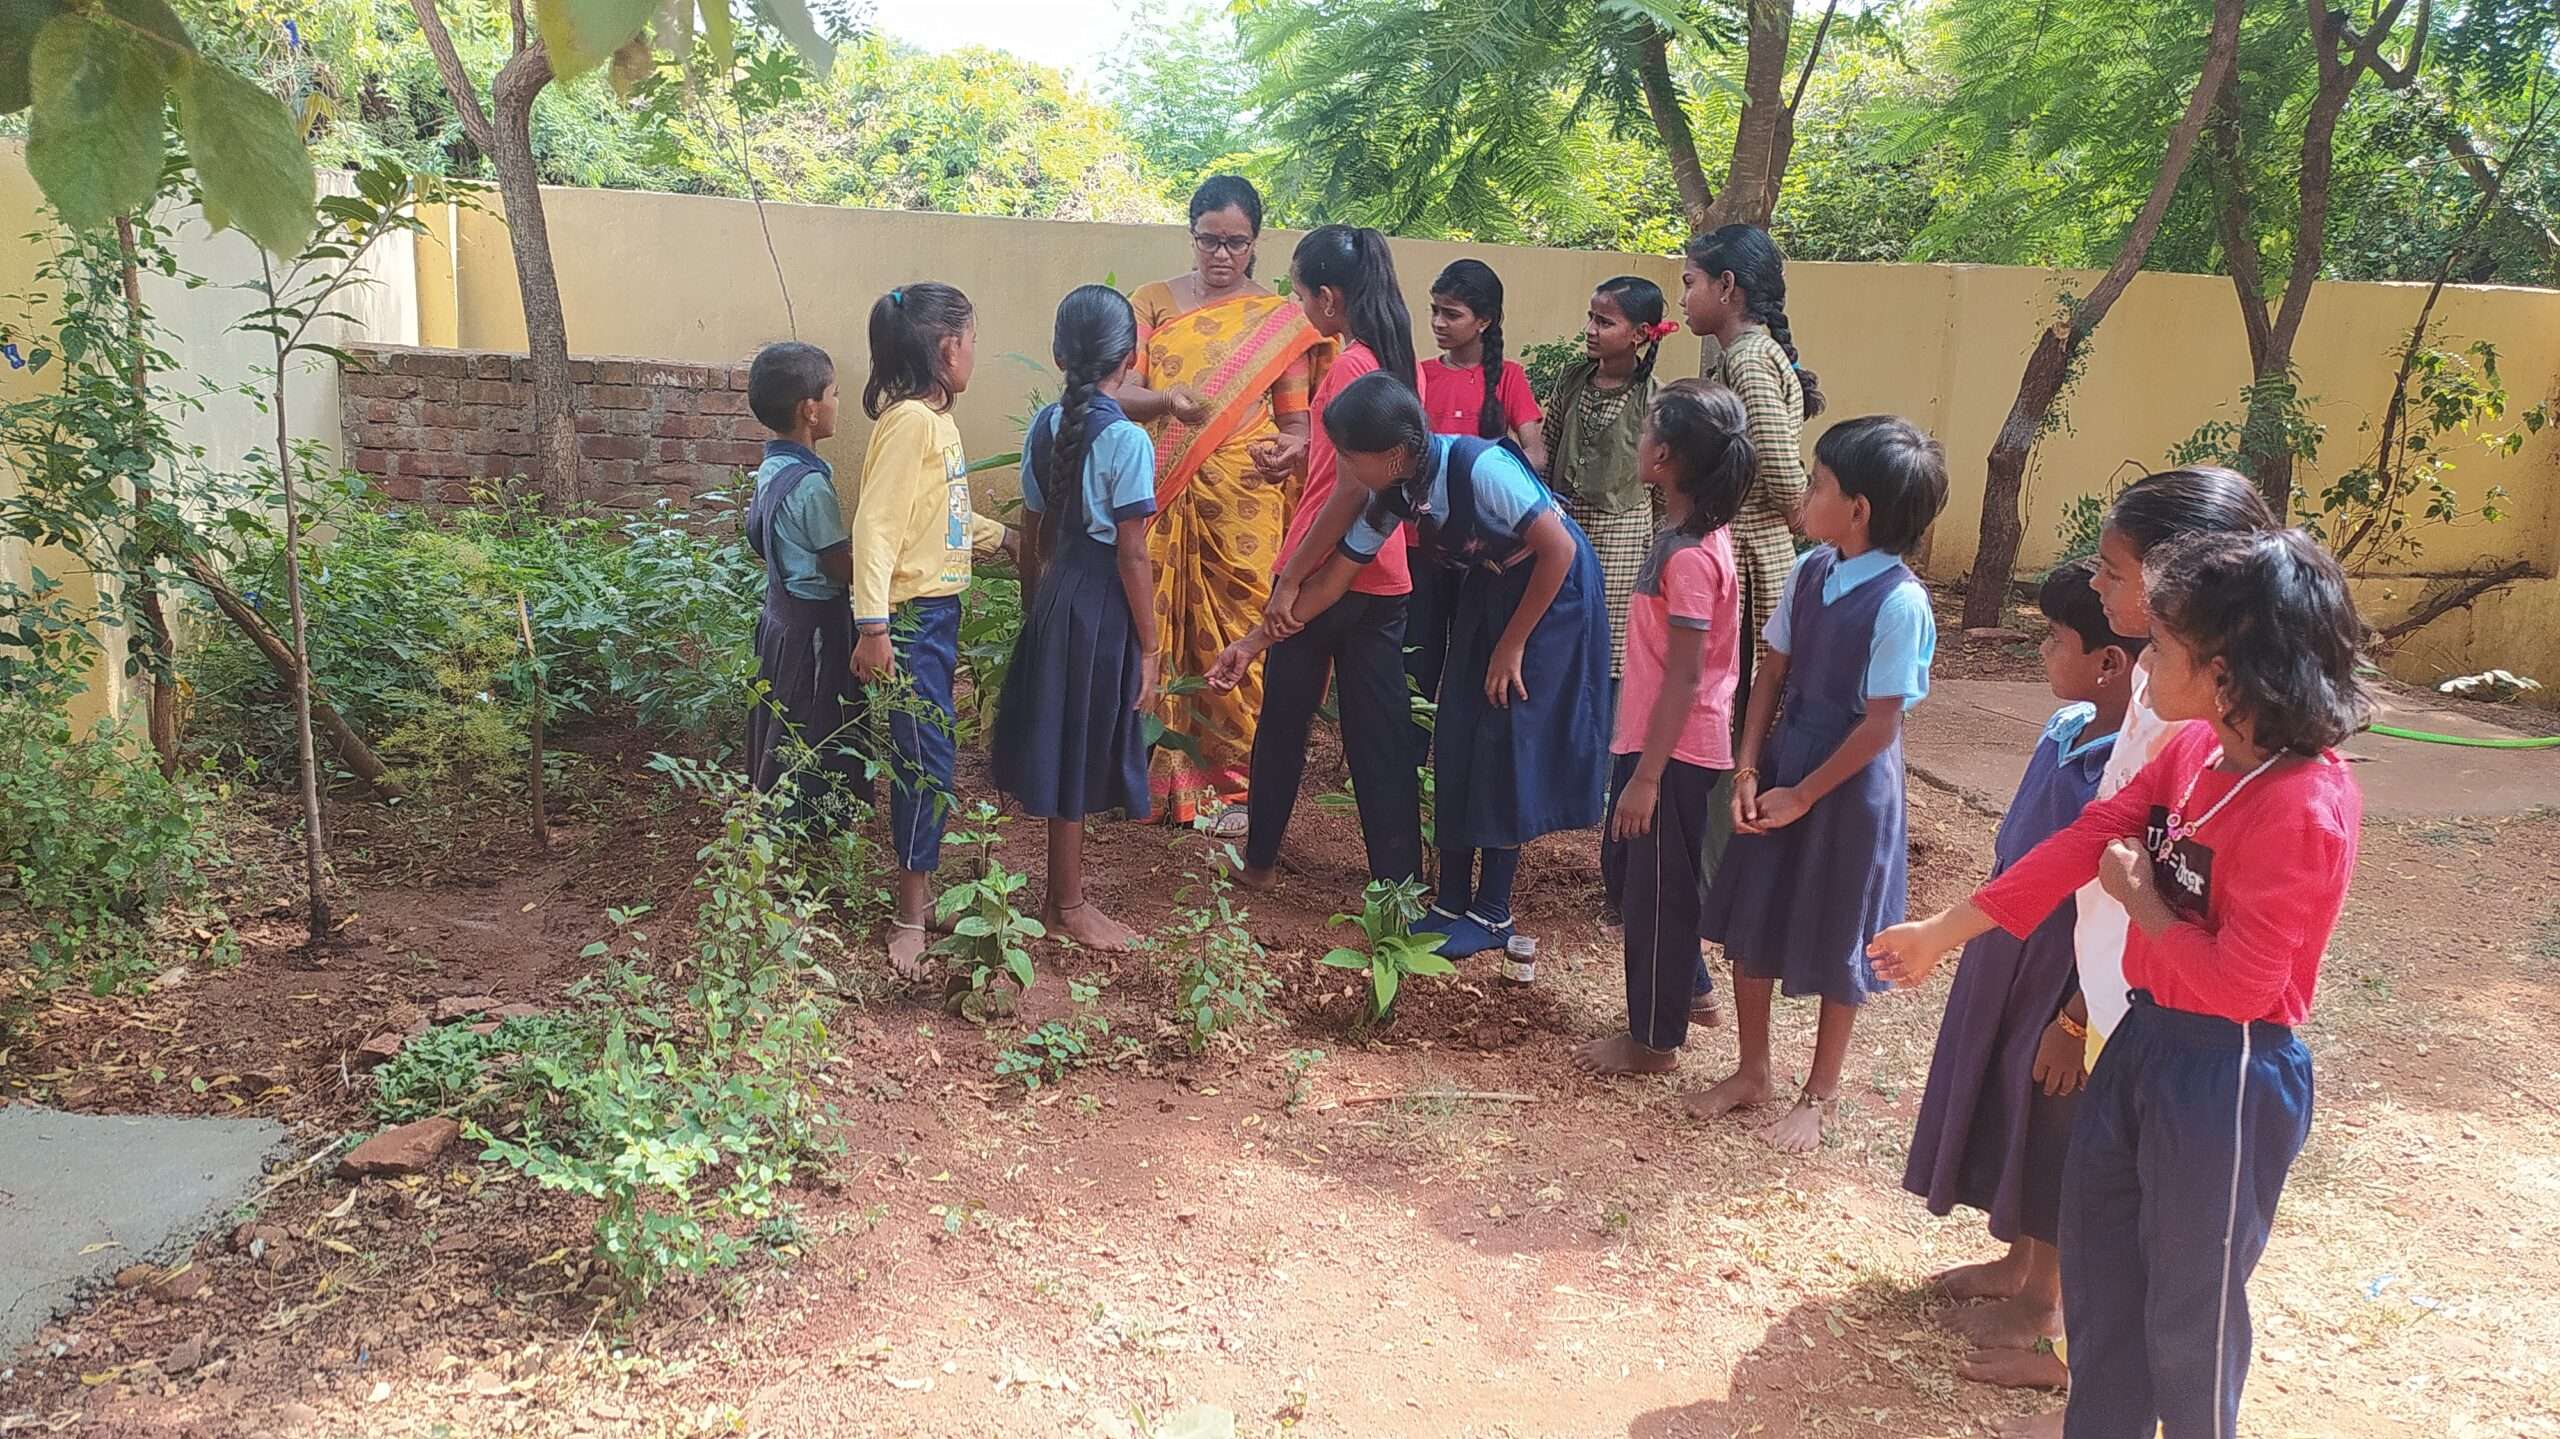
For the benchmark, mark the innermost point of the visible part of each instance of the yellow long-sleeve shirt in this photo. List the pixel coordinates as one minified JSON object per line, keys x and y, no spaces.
{"x":913,"y":528}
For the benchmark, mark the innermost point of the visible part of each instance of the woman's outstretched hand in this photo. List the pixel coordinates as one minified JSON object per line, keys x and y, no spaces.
{"x":1228,"y":670}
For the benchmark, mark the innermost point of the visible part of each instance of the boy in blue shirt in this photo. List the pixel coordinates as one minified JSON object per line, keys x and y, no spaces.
{"x":801,"y":727}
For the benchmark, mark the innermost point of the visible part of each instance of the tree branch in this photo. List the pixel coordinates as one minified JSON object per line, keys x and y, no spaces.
{"x":457,"y":81}
{"x":2459,"y":596}
{"x":1812,"y":52}
{"x":1671,"y":122}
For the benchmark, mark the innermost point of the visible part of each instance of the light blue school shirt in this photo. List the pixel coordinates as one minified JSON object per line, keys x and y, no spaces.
{"x":2068,"y":729}
{"x":1508,"y":499}
{"x":803,"y":525}
{"x":1906,"y":633}
{"x":1119,"y":476}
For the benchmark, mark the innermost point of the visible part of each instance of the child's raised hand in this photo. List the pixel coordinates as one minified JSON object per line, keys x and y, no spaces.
{"x":1502,"y":679}
{"x":1906,"y":954}
{"x":1188,"y":406}
{"x":873,"y":659}
{"x":1781,"y":807}
{"x":2061,"y":1060}
{"x":1633,"y":816}
{"x":2124,"y":871}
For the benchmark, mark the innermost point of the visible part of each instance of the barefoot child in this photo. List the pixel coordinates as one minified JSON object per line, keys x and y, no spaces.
{"x":1346,"y":280}
{"x":1817,"y":863}
{"x":802,"y":724}
{"x":1674,"y":741}
{"x":1068,"y":739}
{"x":913,"y":535}
{"x":1469,"y":390}
{"x":2232,"y":852}
{"x":1996,"y":1116}
{"x":1520,"y":738}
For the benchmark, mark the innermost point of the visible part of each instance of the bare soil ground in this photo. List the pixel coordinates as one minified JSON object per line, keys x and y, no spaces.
{"x":1359,"y":1259}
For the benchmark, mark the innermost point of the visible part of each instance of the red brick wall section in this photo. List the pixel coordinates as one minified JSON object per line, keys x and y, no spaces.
{"x":430,"y":425}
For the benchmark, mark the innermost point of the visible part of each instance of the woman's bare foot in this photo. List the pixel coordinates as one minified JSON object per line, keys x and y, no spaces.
{"x":1999,"y":1278}
{"x":1620,"y":1054}
{"x":2016,"y":1369}
{"x":1259,"y":880}
{"x":1734,"y":1091}
{"x":1801,"y":1131}
{"x":2034,"y":1426}
{"x":906,"y":950}
{"x":2009,"y":1324}
{"x":1087,"y":925}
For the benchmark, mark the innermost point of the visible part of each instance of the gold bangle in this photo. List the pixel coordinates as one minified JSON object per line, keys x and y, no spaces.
{"x":1746,"y":772}
{"x":2076,"y":1031}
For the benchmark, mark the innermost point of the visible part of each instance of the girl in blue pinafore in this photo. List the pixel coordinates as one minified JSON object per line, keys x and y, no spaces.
{"x":2004,"y":1081}
{"x":1817,"y":864}
{"x":1521,"y":737}
{"x":1069,"y":738}
{"x":801,"y":726}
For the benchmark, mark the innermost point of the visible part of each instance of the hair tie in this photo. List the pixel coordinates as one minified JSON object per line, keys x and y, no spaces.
{"x":1662,"y":330}
{"x":898,"y":299}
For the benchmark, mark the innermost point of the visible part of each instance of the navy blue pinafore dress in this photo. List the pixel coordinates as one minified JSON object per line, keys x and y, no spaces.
{"x":1504,"y":775}
{"x":1988,"y":1135}
{"x":1798,"y":905}
{"x":807,"y":722}
{"x":1068,"y":738}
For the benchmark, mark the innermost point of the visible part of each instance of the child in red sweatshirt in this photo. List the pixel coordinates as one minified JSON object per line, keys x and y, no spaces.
{"x":2231,"y":851}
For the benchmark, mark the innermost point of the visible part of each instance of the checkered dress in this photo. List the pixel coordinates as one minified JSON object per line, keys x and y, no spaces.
{"x":1621,"y":539}
{"x":1764,"y":545}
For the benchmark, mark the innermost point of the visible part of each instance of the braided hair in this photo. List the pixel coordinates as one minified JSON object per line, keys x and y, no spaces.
{"x":1357,"y":262}
{"x":1096,"y":334}
{"x":1702,"y":425}
{"x":1473,"y":283}
{"x":1640,"y":300}
{"x":1760,"y":272}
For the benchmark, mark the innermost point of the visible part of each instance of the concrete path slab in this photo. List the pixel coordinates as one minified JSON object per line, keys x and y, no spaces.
{"x":1974,"y":736}
{"x":128,"y":1188}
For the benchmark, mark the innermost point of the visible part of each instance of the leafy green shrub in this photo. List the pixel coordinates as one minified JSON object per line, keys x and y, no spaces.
{"x":1545,"y":361}
{"x":1387,"y":913}
{"x":94,"y":844}
{"x":1220,"y":981}
{"x":692,"y":1113}
{"x":990,"y":935}
{"x":415,"y":635}
{"x":451,"y":1070}
{"x":990,"y":622}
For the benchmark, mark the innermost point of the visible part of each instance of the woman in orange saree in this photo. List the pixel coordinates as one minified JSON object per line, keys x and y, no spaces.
{"x":1227,"y":367}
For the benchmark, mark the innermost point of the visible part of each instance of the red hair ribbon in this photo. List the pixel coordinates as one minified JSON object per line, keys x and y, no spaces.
{"x":1661,"y":330}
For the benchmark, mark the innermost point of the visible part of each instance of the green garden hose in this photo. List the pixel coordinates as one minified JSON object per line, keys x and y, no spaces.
{"x":2468,"y":741}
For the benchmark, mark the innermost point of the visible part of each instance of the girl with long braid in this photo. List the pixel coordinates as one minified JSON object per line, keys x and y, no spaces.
{"x":1470,"y":389}
{"x":1069,"y":737}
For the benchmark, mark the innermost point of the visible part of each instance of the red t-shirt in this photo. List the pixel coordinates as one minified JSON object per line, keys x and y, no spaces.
{"x":1685,"y":584}
{"x":1453,"y":397}
{"x":2257,"y":888}
{"x":1389,"y":573}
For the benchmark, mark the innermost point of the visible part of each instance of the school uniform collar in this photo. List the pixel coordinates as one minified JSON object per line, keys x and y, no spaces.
{"x":793,"y":449}
{"x":1848,"y":574}
{"x":2069,"y":732}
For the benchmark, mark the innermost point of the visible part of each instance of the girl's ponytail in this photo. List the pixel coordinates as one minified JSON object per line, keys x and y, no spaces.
{"x":1095,"y":334}
{"x":1760,"y":272}
{"x":1640,"y":300}
{"x":1358,"y":263}
{"x":1703,"y":426}
{"x":908,"y":326}
{"x":1473,"y":283}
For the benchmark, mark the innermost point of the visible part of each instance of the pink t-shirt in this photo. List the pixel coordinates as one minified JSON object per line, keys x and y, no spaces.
{"x":1690,"y":584}
{"x":1454,"y":397}
{"x":1388,"y":574}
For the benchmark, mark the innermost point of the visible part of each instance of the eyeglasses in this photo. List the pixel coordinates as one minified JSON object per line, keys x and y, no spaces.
{"x":1221,"y":244}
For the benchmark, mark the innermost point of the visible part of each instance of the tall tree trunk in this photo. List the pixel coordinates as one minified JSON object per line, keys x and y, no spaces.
{"x":504,"y":133}
{"x":162,"y":680}
{"x":314,"y":843}
{"x":1671,"y":123}
{"x":2049,"y":365}
{"x":2344,"y":57}
{"x":1766,"y":130}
